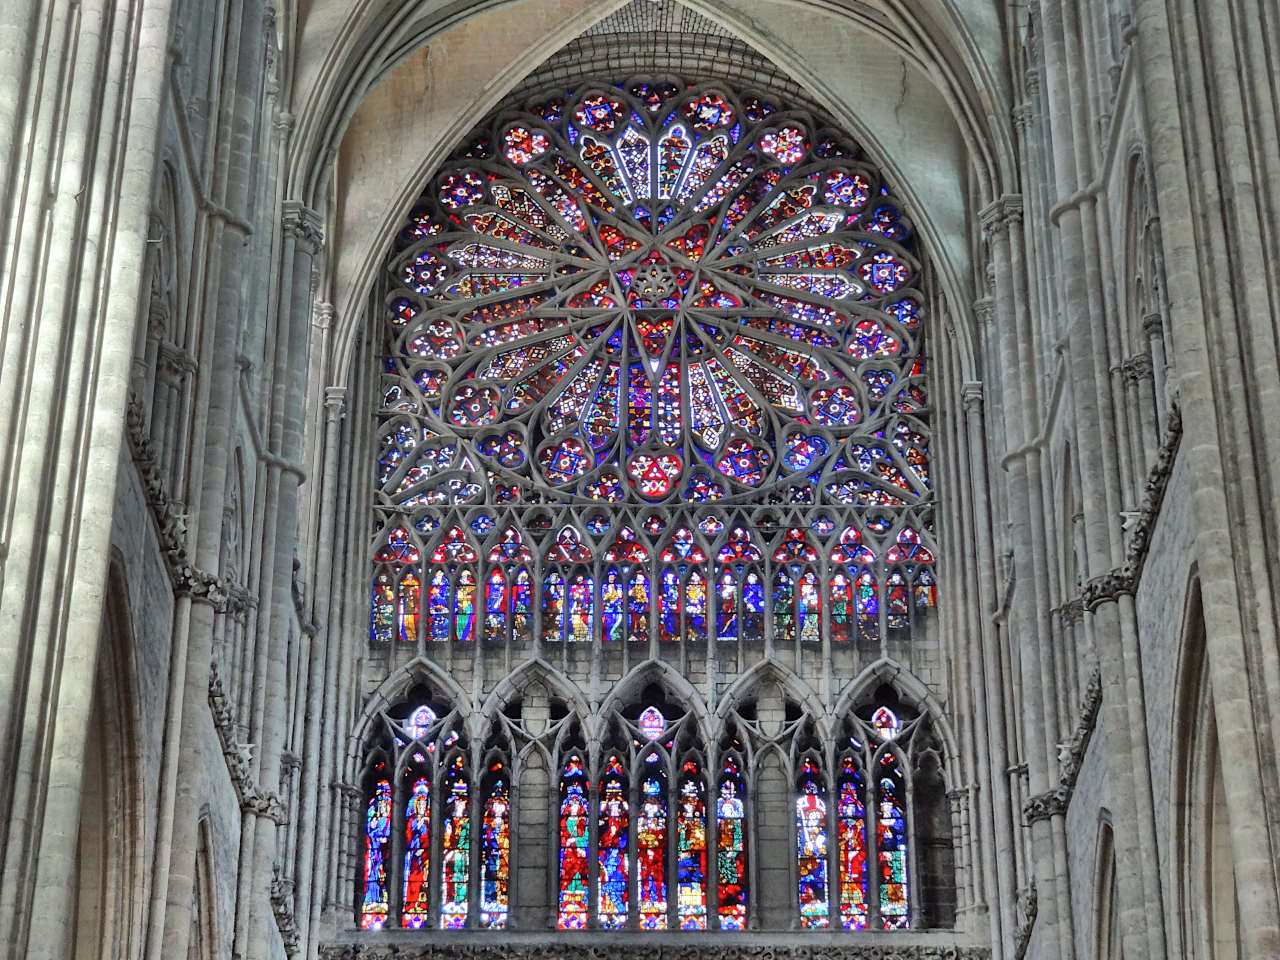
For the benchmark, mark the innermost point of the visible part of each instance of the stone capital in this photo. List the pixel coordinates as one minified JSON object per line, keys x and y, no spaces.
{"x":335,"y":401}
{"x":1108,"y":587}
{"x":971,"y":394}
{"x":303,"y":223}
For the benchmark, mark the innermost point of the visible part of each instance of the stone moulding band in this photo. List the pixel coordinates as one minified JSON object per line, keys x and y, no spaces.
{"x":601,"y":949}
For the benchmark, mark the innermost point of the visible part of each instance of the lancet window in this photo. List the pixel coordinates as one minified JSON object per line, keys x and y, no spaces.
{"x":866,"y":879}
{"x":629,"y":299}
{"x":434,"y":830}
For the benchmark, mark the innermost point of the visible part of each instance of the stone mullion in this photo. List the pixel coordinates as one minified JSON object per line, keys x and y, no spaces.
{"x":1225,"y":640}
{"x":475,"y":811}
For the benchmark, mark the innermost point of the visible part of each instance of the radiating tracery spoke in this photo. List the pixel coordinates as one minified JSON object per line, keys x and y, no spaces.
{"x":656,"y":294}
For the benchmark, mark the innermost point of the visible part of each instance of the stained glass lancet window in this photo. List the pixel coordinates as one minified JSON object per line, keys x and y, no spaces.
{"x":575,"y":812}
{"x":641,"y":295}
{"x":811,"y":846}
{"x":377,"y":830}
{"x":651,"y":845}
{"x":612,"y":839}
{"x":891,"y":842}
{"x":731,"y":846}
{"x":852,"y":833}
{"x":495,"y":850}
{"x":455,"y":865}
{"x":691,"y":849}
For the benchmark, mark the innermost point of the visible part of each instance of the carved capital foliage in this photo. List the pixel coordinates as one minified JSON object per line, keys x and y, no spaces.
{"x":1043,"y":806}
{"x":304,"y":224}
{"x":1153,"y":325}
{"x":984,"y":309}
{"x":1109,"y":586}
{"x":1137,"y":368}
{"x":1072,"y":611}
{"x":649,"y":951}
{"x":1001,"y":213}
{"x":971,"y":395}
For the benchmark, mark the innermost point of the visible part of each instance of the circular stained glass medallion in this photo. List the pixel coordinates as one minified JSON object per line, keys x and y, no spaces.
{"x":659,"y":294}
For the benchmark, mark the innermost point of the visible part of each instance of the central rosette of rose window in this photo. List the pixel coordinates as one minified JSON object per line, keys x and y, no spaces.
{"x":658,"y":294}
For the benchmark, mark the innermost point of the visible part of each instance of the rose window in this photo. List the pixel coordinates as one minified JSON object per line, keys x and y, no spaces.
{"x":652,"y":293}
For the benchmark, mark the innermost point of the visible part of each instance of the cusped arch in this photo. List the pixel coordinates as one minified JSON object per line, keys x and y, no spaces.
{"x":395,"y":685}
{"x":912,"y":690}
{"x":662,"y":674}
{"x":794,"y":686}
{"x":523,"y":675}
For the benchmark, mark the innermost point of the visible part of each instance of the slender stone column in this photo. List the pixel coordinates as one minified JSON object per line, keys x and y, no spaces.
{"x":314,"y":846}
{"x":990,"y":717}
{"x":303,"y":240}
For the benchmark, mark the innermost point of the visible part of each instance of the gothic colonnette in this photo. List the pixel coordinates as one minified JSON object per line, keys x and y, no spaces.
{"x":567,"y":478}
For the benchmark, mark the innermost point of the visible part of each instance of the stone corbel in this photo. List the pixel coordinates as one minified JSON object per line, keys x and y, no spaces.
{"x":304,"y":224}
